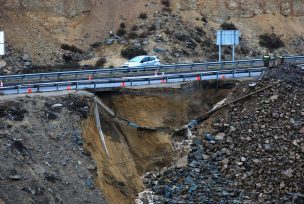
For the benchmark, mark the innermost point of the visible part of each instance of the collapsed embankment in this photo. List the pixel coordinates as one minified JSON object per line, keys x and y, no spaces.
{"x":53,"y":153}
{"x":134,"y":152}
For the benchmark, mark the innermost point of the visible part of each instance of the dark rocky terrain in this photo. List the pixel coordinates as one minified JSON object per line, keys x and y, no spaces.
{"x":250,"y":152}
{"x":42,"y":155}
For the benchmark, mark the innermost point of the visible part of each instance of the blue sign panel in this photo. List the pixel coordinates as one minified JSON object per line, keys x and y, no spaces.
{"x":227,"y":37}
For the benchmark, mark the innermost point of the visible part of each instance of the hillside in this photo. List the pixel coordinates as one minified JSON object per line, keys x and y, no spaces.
{"x":176,"y":29}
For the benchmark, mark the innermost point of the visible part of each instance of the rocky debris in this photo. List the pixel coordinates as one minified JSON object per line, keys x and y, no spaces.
{"x":15,"y":177}
{"x":265,"y":146}
{"x":27,"y":60}
{"x":112,"y":39}
{"x":182,"y":162}
{"x":12,"y":111}
{"x":79,"y":106}
{"x":148,"y":197}
{"x":2,"y":64}
{"x":200,"y":181}
{"x":77,"y":138}
{"x":42,"y":162}
{"x":89,"y":183}
{"x":14,"y":61}
{"x":256,"y":155}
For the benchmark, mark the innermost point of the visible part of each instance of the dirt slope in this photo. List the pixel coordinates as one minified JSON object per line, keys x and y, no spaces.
{"x":38,"y":28}
{"x":42,"y":157}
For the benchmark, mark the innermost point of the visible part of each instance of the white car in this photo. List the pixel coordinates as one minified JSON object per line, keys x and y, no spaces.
{"x":142,"y":61}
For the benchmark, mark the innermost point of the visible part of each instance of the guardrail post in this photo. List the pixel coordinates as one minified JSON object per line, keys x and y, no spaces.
{"x":57,"y":87}
{"x":249,"y":72}
{"x":149,"y":81}
{"x":38,"y":88}
{"x":217,"y":79}
{"x":18,"y":89}
{"x":166,"y":79}
{"x":233,"y":74}
{"x":94,"y":86}
{"x":184,"y":78}
{"x":131,"y":82}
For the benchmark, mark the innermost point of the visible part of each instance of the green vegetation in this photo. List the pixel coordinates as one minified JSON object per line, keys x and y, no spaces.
{"x":271,"y":41}
{"x":131,"y":52}
{"x":228,"y":26}
{"x":71,"y":48}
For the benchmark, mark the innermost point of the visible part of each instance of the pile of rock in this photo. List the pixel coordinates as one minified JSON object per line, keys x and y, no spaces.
{"x":14,"y":61}
{"x":199,"y":180}
{"x":253,"y":153}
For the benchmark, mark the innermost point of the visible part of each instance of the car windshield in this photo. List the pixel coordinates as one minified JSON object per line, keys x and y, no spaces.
{"x":136,"y":59}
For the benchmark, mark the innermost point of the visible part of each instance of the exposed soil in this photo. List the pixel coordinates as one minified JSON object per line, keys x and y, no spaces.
{"x":53,"y":151}
{"x":133,"y":153}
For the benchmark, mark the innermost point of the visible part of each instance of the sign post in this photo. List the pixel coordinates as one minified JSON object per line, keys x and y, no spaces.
{"x":227,"y":37}
{"x":2,"y":43}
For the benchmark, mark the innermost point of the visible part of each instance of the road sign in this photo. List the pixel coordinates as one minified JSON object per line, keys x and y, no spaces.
{"x":227,"y":37}
{"x":1,"y":43}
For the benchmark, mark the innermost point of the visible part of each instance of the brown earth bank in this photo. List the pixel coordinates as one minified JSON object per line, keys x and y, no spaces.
{"x":132,"y":152}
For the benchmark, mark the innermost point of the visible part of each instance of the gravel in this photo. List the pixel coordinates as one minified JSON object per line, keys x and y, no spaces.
{"x":253,"y":154}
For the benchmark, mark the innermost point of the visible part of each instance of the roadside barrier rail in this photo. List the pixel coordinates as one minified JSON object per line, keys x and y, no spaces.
{"x":239,"y":64}
{"x":100,"y":84}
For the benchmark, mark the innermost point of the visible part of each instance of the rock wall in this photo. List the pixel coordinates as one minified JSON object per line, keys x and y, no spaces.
{"x":67,"y":8}
{"x":243,"y":8}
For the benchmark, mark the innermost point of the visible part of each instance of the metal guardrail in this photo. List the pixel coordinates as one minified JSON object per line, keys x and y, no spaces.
{"x":93,"y":84}
{"x":206,"y":65}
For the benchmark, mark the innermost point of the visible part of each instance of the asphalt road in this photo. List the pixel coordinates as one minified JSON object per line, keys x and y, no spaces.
{"x":101,"y":84}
